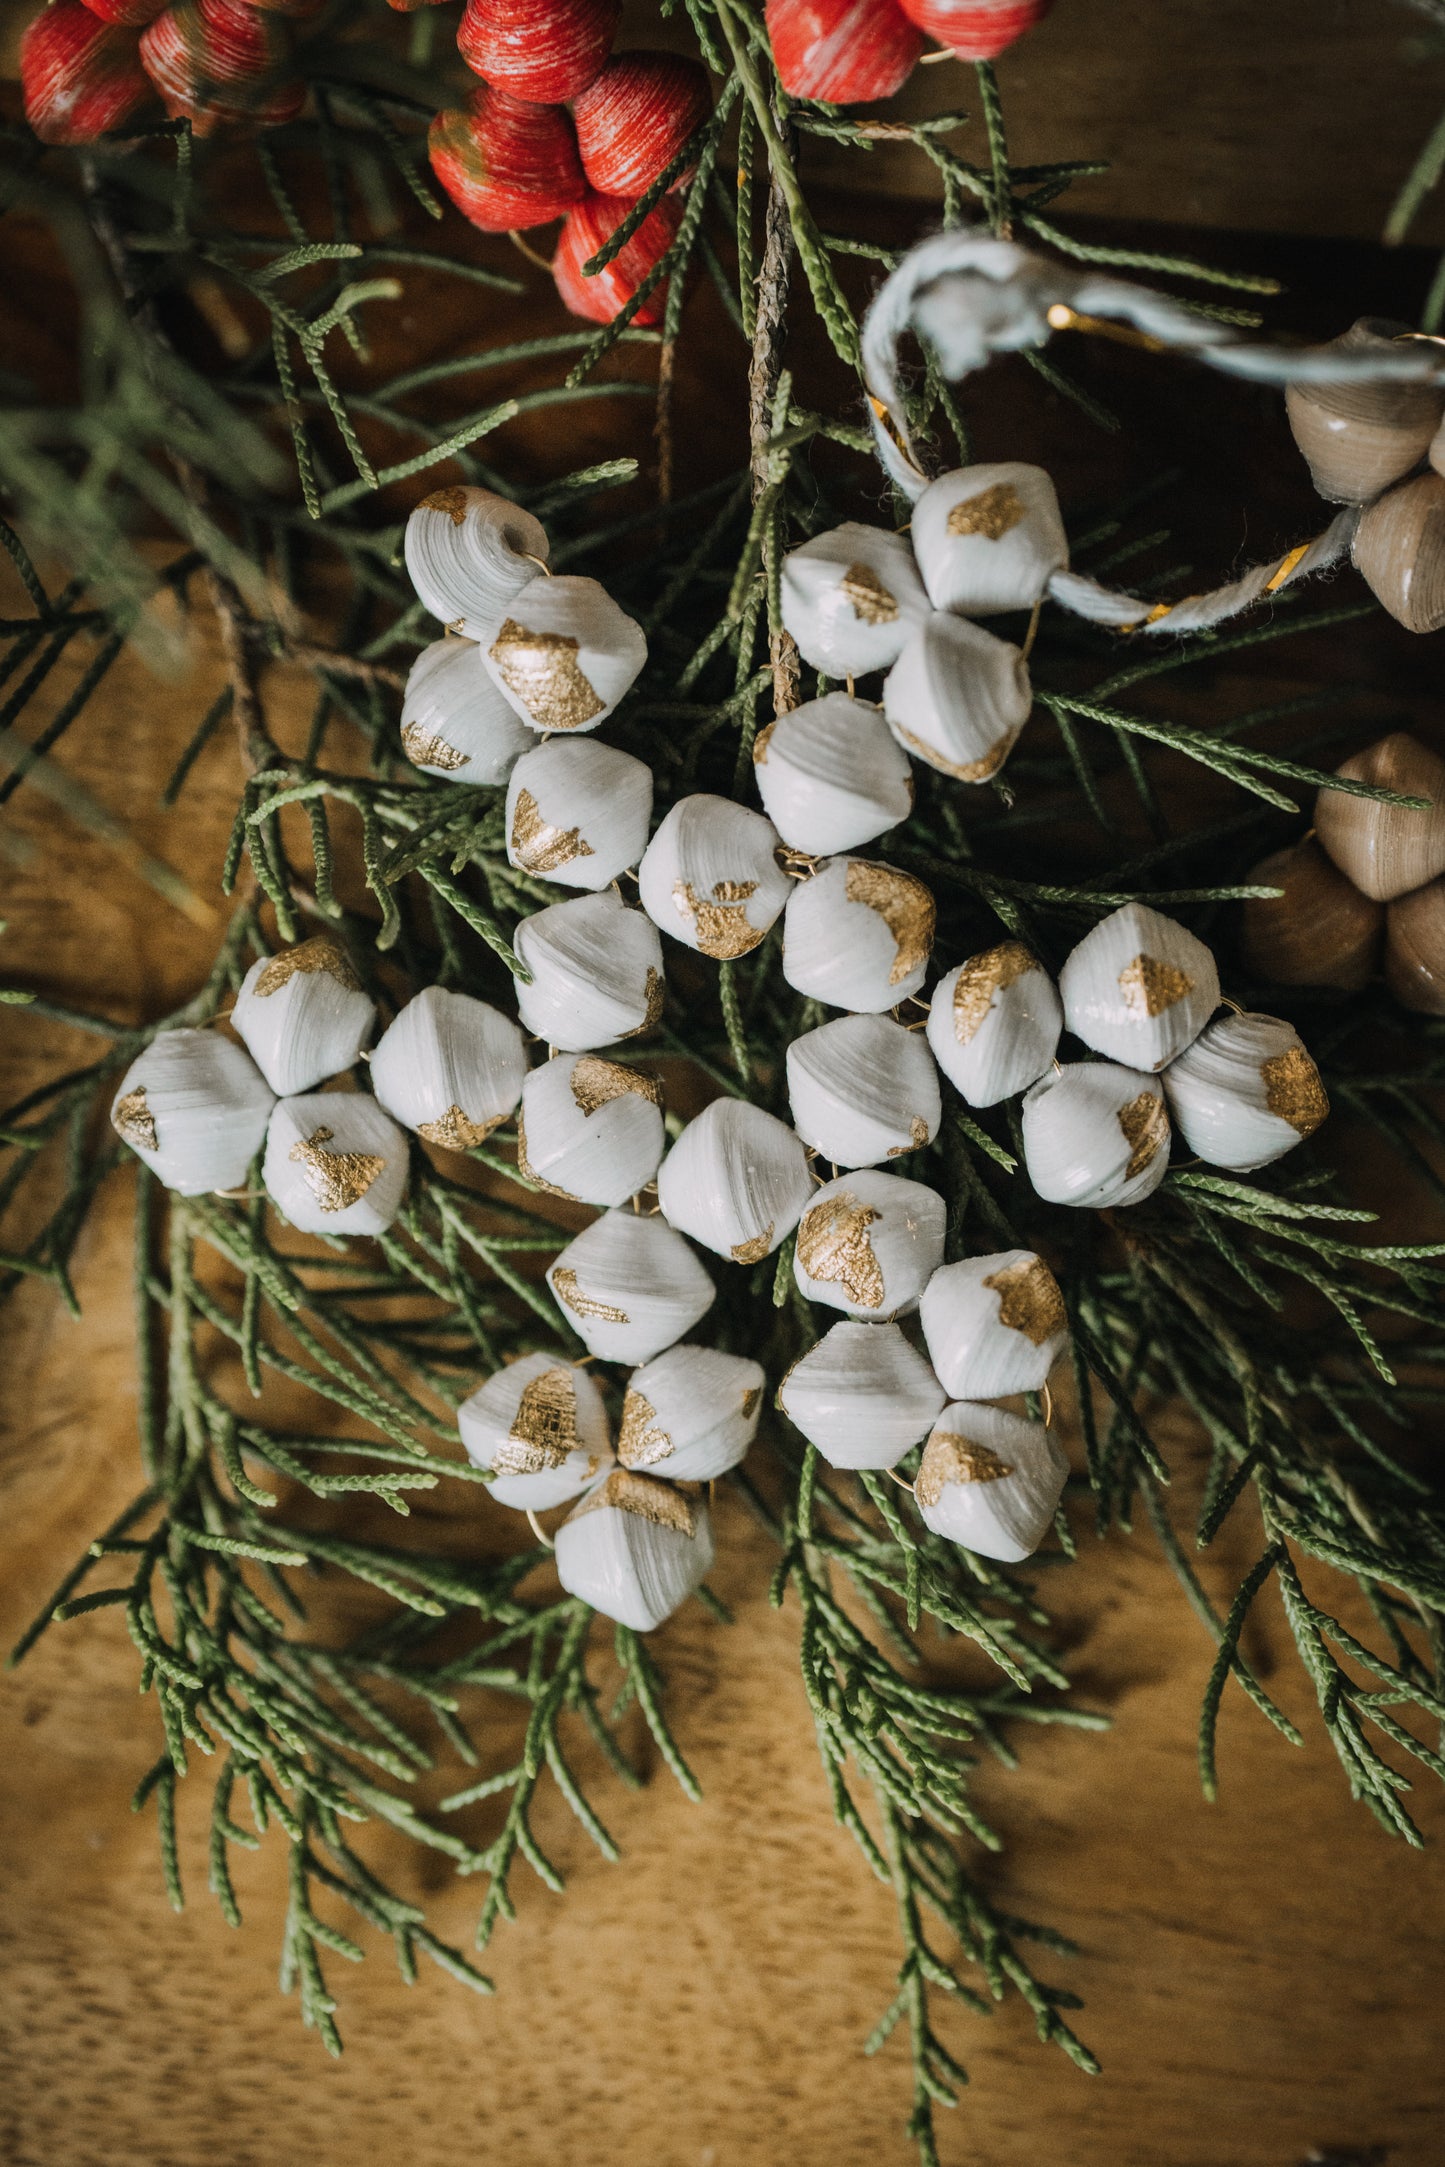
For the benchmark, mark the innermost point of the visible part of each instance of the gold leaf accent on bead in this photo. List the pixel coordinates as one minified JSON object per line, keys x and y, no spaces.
{"x":665,"y":1504}
{"x":134,"y":1121}
{"x":904,"y":905}
{"x":544,"y":1428}
{"x":567,"y":1291}
{"x":964,"y":771}
{"x":451,"y":501}
{"x":750,"y":1401}
{"x":1149,"y":986}
{"x":322,"y":954}
{"x":1293,"y":1090}
{"x":525,"y":1166}
{"x":595,"y":1082}
{"x":947,"y":1458}
{"x":542,"y":670}
{"x":722,"y":925}
{"x":337,"y":1179}
{"x":655,"y":994}
{"x":994,"y":971}
{"x":430,"y":751}
{"x":917,"y":1135}
{"x":753,"y":1251}
{"x":833,"y":1247}
{"x":992,"y":513}
{"x":1029,"y":1300}
{"x":760,"y":744}
{"x":456,"y":1130}
{"x":537,"y":845}
{"x":870,"y":599}
{"x":1145,"y":1122}
{"x":640,"y":1442}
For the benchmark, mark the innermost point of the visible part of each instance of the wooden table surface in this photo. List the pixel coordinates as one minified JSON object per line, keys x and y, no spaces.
{"x":1261,"y":1976}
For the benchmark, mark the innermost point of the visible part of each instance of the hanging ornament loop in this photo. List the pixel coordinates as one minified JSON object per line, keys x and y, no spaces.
{"x":968,"y":295}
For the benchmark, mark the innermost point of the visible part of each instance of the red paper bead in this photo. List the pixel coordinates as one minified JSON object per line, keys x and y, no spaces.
{"x":80,"y":76}
{"x":600,"y":297}
{"x":220,"y":63}
{"x":975,"y":29}
{"x":844,"y":51}
{"x":636,"y":117}
{"x":543,"y":50}
{"x":135,"y":14}
{"x":505,"y":163}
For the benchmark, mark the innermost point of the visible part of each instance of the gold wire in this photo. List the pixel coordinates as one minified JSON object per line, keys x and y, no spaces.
{"x":1062,"y":318}
{"x":543,"y":1538}
{"x":526,"y":249}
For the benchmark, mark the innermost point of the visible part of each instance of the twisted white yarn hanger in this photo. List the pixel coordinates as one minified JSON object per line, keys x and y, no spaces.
{"x":969,"y":296}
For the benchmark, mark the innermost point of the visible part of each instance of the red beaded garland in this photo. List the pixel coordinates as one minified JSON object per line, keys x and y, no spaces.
{"x":975,"y":29}
{"x":543,"y":50}
{"x":587,"y":227}
{"x":220,"y":62}
{"x":506,"y":163}
{"x":636,"y":117}
{"x":80,"y":75}
{"x":845,"y":51}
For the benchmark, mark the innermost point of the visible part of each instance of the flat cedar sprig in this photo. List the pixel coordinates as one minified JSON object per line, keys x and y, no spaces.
{"x":263,"y":476}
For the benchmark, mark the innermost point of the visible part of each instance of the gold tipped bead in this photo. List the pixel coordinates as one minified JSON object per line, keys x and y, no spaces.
{"x":1358,"y":438}
{"x":1320,"y":932}
{"x":1386,"y":850}
{"x":1399,"y":550}
{"x":1415,"y":949}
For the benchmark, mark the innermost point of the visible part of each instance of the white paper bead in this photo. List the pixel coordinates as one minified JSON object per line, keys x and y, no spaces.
{"x":577,"y":812}
{"x":863,"y":1395}
{"x":450,"y":1067}
{"x":869,"y":1243}
{"x":958,"y":697}
{"x":850,"y":598}
{"x":863,"y":1089}
{"x":467,"y":552}
{"x":194,"y":1107}
{"x":736,"y":1180}
{"x":994,"y":1325}
{"x":691,"y":1415}
{"x":857,"y":935}
{"x":994,"y":1023}
{"x":335,"y":1163}
{"x":989,"y":538}
{"x":990,"y":1481}
{"x":630,"y":1286}
{"x":634,"y":1549}
{"x":596,"y":972}
{"x":454,"y":721}
{"x":1096,"y":1134}
{"x":303,"y":1014}
{"x":709,"y":876}
{"x":541,"y":1424}
{"x":1245,"y":1092}
{"x":1139,"y":988}
{"x":590,"y":1128}
{"x":564,"y":653}
{"x":830,"y":775}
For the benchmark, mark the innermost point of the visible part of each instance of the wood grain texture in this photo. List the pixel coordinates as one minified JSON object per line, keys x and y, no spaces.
{"x":1300,"y":117}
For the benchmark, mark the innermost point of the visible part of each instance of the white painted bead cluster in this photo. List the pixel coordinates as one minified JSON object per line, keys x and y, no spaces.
{"x":984,"y":540}
{"x":535,"y":663}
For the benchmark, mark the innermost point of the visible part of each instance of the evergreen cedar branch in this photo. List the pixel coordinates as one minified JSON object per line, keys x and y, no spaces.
{"x":1181,"y":1299}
